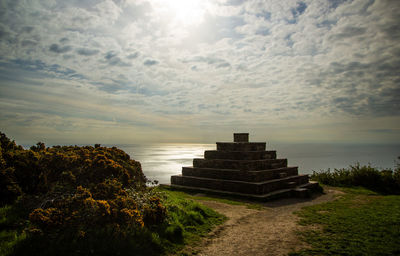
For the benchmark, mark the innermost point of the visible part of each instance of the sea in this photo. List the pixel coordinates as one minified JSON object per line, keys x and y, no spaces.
{"x":160,"y":161}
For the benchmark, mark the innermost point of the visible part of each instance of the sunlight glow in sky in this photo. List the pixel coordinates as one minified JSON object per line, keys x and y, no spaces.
{"x":132,"y":71}
{"x":181,"y":12}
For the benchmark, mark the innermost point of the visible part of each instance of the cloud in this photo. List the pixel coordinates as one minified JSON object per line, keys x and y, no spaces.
{"x":38,"y":70}
{"x":87,"y":52}
{"x":242,"y":64}
{"x":150,"y":62}
{"x":113,"y":59}
{"x":27,"y":29}
{"x":133,"y":55}
{"x":64,"y":40}
{"x":60,"y":49}
{"x":26,"y":43}
{"x":234,"y":2}
{"x":335,"y":3}
{"x":217,"y":62}
{"x":297,"y":11}
{"x":223,"y":65}
{"x":215,"y":28}
{"x":263,"y":31}
{"x":349,"y":32}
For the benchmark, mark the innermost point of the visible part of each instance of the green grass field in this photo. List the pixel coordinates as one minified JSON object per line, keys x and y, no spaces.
{"x":359,"y":222}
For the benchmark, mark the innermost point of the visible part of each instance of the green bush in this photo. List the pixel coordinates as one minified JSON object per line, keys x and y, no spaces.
{"x":9,"y":189}
{"x":70,"y":200}
{"x":383,"y":181}
{"x":75,"y":196}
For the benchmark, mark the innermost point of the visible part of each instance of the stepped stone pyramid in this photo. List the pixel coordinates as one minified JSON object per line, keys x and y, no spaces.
{"x":245,"y":169}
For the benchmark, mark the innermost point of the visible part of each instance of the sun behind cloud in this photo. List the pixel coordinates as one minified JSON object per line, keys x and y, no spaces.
{"x":182,"y":12}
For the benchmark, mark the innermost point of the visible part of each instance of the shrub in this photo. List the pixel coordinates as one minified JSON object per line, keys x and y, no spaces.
{"x":59,"y":170}
{"x":9,"y":189}
{"x":70,"y":200}
{"x":383,"y":181}
{"x":74,"y":194}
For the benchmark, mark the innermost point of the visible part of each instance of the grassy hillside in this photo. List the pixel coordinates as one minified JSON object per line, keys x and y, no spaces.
{"x":364,"y":220}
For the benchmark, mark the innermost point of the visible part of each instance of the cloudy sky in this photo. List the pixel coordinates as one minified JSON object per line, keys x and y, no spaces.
{"x":102,"y":71}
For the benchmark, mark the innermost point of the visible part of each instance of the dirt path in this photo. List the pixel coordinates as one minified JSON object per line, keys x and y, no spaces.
{"x":270,"y":231}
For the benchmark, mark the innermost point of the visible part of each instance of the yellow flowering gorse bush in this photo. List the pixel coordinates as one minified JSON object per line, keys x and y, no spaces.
{"x":79,"y":189}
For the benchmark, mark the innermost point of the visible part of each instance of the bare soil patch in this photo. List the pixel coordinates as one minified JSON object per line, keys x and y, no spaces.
{"x":269,"y":231}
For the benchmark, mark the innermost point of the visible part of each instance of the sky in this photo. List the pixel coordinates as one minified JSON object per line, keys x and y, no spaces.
{"x":138,"y":71}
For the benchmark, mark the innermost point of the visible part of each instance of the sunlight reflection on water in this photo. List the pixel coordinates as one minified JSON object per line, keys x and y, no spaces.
{"x":160,"y":161}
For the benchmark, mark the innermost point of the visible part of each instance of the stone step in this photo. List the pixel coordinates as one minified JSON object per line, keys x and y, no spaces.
{"x":232,"y":174}
{"x":276,"y":173}
{"x":277,"y":194}
{"x":245,"y":165}
{"x":291,"y":184}
{"x":302,"y":192}
{"x":241,"y":146}
{"x":239,"y":155}
{"x":266,"y":197}
{"x":313,"y":186}
{"x":283,"y":174}
{"x":257,"y":188}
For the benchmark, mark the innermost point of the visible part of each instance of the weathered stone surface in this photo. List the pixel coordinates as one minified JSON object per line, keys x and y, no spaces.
{"x":239,"y":155}
{"x":301,"y":192}
{"x":276,"y":194}
{"x":240,"y":137}
{"x":233,"y":174}
{"x":276,"y":173}
{"x":241,"y":146}
{"x":258,"y":188}
{"x":245,"y":165}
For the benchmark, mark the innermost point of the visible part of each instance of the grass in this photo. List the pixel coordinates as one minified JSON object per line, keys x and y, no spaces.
{"x":11,"y":229}
{"x":359,"y":222}
{"x":9,"y":238}
{"x":187,"y":222}
{"x":209,"y":197}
